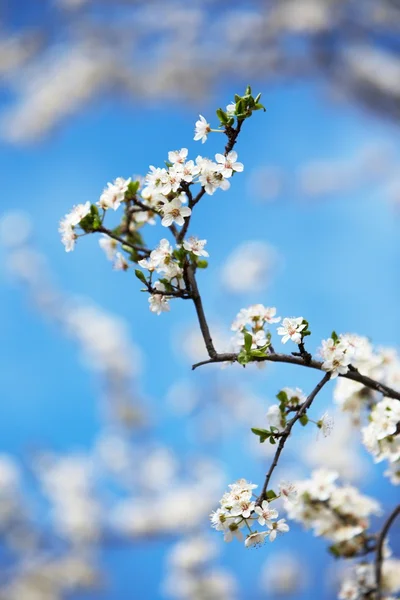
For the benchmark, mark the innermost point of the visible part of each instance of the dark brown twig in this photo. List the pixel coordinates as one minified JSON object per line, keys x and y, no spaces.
{"x":313,"y":364}
{"x":379,"y":550}
{"x":287,"y":431}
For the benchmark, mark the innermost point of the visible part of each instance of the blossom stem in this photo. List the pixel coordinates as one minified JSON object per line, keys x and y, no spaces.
{"x":112,"y":235}
{"x":286,"y":433}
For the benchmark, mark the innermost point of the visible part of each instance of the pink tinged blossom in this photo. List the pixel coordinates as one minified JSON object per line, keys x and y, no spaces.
{"x":228,"y":164}
{"x":243,"y":508}
{"x":265,"y":513}
{"x":202,"y":129}
{"x":174,"y":212}
{"x":178,"y":156}
{"x":159,"y":302}
{"x":196,"y":246}
{"x":291,"y":329}
{"x":288,"y":491}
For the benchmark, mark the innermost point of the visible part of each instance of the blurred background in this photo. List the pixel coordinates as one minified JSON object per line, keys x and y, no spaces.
{"x":113,"y":452}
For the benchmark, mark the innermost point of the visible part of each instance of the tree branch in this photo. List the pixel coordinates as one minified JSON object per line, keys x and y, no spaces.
{"x":354,"y":375}
{"x":286,"y":433}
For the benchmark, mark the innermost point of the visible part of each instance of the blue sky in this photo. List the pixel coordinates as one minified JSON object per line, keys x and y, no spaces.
{"x":339,"y":268}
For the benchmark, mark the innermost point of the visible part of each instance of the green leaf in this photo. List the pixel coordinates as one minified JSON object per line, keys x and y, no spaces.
{"x":202,"y":264}
{"x":263,"y":434}
{"x":132,"y":190}
{"x":303,"y":420}
{"x":272,"y":440}
{"x":271,"y":495}
{"x":237,"y":98}
{"x":259,"y":106}
{"x":282,"y":397}
{"x":334,"y":550}
{"x":248,"y":91}
{"x":257,"y":98}
{"x":335,"y":336}
{"x":248,"y":341}
{"x":243,"y":358}
{"x":222,"y":116}
{"x":141,"y":276}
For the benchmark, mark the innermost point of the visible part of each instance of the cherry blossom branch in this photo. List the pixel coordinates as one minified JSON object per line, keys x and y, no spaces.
{"x":232,"y":133}
{"x":116,"y":237}
{"x":193,"y":289}
{"x":354,"y":375}
{"x":287,"y":431}
{"x":379,"y":550}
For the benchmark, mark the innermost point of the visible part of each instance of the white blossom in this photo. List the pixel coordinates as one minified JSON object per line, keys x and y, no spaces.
{"x":265,"y":513}
{"x":202,"y":129}
{"x":291,"y":329}
{"x":114,"y":193}
{"x":277,"y":527}
{"x":109,"y":245}
{"x":196,"y":246}
{"x":228,"y":164}
{"x":174,"y":212}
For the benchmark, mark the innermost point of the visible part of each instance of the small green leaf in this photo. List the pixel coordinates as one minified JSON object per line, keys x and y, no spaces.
{"x":334,"y":550}
{"x":303,"y":420}
{"x":141,"y":276}
{"x":248,"y":91}
{"x":259,"y":106}
{"x":132,"y":190}
{"x":242,"y":358}
{"x":271,"y":495}
{"x":263,"y":434}
{"x":222,"y":116}
{"x":335,"y":336}
{"x":272,"y":440}
{"x":248,"y":341}
{"x":282,"y":397}
{"x":202,"y":264}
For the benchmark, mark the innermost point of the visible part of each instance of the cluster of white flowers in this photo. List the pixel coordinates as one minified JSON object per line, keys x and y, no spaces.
{"x":360,"y":581}
{"x":381,"y":436}
{"x":69,"y":222}
{"x":163,"y":262}
{"x":337,"y":354}
{"x":254,"y":320}
{"x":193,"y":574}
{"x":114,"y":194}
{"x":67,"y":482}
{"x":240,"y":508}
{"x":338,"y":513}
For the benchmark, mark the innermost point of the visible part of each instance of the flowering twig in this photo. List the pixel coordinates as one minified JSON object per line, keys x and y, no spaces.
{"x":287,"y":431}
